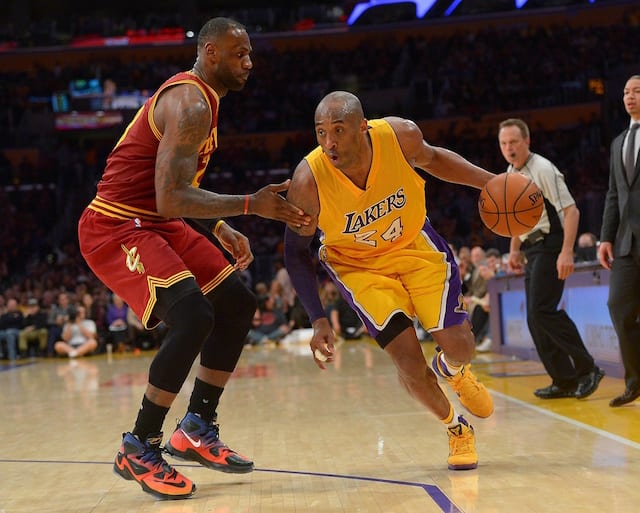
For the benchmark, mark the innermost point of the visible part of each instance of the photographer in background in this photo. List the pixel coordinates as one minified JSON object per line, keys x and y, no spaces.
{"x":79,"y":334}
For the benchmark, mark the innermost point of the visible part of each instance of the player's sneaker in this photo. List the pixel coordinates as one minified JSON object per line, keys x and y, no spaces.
{"x":462,"y":446}
{"x":142,"y":461}
{"x":196,"y":440}
{"x":473,"y":394}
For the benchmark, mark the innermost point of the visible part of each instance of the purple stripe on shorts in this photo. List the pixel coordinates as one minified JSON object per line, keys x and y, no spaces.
{"x":346,"y":294}
{"x":454,"y":315}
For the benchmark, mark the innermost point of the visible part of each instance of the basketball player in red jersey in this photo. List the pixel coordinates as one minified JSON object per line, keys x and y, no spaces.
{"x":134,"y":237}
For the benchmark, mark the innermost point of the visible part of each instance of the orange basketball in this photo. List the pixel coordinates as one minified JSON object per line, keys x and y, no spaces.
{"x":510,"y":204}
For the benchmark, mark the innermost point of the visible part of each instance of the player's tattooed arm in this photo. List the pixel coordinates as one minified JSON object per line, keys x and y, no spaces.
{"x":184,"y":118}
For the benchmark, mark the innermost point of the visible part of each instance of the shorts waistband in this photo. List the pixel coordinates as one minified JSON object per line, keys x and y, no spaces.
{"x":122,"y":211}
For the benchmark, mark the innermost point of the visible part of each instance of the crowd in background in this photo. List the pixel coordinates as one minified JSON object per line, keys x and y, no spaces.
{"x":467,"y":73}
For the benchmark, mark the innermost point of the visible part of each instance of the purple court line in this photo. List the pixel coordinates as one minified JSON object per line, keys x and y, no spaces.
{"x":433,"y":491}
{"x":437,"y":495}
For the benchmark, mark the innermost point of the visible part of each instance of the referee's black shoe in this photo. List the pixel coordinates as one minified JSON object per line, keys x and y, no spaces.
{"x":588,"y":384}
{"x":554,"y":392}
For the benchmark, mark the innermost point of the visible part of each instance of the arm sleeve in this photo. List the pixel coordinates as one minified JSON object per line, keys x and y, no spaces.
{"x":297,"y":258}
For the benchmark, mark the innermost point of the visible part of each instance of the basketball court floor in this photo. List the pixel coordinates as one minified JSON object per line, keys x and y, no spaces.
{"x":344,"y":440}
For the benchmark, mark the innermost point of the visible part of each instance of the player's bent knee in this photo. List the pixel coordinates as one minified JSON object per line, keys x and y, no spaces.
{"x":233,"y":301}
{"x":190,"y":320}
{"x":192,"y":315}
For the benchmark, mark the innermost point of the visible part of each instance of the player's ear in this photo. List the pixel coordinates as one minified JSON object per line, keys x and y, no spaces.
{"x":210,"y":49}
{"x":364,"y":125}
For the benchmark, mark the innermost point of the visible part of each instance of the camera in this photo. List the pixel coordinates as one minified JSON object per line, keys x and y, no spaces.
{"x":73,"y":314}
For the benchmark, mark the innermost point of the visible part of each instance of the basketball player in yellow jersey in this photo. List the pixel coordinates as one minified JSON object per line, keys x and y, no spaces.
{"x":362,"y":192}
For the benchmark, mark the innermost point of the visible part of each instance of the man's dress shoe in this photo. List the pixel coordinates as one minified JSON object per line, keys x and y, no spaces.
{"x":628,"y":396}
{"x":588,"y":384}
{"x":554,"y":392}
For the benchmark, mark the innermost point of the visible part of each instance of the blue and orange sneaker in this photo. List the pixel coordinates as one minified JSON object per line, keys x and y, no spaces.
{"x":142,"y":461}
{"x":195,"y":440}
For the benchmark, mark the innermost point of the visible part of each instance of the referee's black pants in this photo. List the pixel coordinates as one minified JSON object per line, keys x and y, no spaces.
{"x":557,"y":340}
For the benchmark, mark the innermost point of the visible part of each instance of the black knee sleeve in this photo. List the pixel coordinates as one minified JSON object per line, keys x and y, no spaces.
{"x":233,"y":305}
{"x":190,"y":320}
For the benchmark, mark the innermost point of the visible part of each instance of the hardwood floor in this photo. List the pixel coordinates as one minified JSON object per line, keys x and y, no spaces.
{"x":345,"y":440}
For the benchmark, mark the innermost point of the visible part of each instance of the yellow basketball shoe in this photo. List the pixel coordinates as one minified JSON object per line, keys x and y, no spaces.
{"x":473,"y":395}
{"x":462,"y":446}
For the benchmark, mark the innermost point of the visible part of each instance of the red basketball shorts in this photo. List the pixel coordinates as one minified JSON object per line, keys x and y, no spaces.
{"x":134,"y":257}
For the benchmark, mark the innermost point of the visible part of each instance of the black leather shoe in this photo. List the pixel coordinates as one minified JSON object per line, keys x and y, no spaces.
{"x":628,"y":397}
{"x":588,"y":384}
{"x":554,"y":392}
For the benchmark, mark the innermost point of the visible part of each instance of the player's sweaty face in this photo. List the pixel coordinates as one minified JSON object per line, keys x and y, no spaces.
{"x":338,"y":135}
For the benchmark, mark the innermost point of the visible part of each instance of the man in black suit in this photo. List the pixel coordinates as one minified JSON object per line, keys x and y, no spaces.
{"x":620,"y":242}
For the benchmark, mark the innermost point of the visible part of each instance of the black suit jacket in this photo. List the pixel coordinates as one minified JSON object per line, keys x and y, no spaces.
{"x":621,"y":218}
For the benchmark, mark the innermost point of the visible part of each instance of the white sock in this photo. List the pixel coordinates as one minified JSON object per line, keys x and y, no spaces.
{"x":448,"y":367}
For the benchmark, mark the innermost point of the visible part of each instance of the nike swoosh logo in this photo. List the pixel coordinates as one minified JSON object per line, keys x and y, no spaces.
{"x":194,"y":442}
{"x":181,"y":484}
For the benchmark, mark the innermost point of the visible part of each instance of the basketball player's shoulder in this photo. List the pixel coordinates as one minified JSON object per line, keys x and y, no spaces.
{"x":403,"y":128}
{"x":395,"y":123}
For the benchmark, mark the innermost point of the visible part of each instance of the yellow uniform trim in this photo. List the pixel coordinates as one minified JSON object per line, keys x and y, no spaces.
{"x":122,"y":211}
{"x":155,"y":283}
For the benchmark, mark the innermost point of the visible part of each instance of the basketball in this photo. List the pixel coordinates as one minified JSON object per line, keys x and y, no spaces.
{"x":510,"y":204}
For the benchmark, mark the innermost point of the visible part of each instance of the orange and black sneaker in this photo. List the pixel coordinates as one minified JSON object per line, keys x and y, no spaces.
{"x":142,"y":461}
{"x":195,"y":440}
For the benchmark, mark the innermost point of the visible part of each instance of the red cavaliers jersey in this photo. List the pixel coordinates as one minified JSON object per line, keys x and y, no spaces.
{"x":128,"y":179}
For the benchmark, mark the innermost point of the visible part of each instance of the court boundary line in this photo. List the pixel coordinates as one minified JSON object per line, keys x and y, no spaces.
{"x":434,"y":492}
{"x":569,"y":420}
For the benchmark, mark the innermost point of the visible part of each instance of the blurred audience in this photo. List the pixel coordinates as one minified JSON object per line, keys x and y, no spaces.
{"x":33,"y":336}
{"x":587,"y":248}
{"x":11,"y":322}
{"x":270,"y":324}
{"x":117,"y":325}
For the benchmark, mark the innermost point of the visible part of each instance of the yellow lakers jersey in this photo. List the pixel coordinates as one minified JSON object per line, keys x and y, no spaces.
{"x":388,"y":214}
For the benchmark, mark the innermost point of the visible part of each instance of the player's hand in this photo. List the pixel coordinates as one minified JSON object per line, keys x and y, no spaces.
{"x":323,"y":340}
{"x":268,"y":203}
{"x":237,"y":245}
{"x":605,"y":254}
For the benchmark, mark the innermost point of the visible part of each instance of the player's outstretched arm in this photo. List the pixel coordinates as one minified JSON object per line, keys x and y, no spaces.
{"x":439,"y":162}
{"x":183,"y":117}
{"x":267,"y":202}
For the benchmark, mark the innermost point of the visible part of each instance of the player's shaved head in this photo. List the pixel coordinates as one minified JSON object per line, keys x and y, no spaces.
{"x":339,"y":105}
